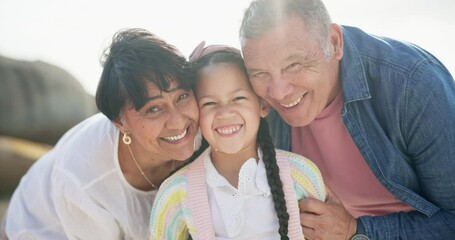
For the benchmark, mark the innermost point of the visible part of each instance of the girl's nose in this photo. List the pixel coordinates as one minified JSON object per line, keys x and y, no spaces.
{"x":224,"y":111}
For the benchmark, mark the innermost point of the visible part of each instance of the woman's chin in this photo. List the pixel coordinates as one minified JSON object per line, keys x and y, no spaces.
{"x":184,"y":154}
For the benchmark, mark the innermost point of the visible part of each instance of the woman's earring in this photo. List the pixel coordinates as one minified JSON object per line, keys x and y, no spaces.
{"x":126,"y":139}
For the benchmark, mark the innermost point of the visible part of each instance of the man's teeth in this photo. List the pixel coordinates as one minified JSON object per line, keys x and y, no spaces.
{"x":292,"y":104}
{"x":228,"y":130}
{"x":175,"y":138}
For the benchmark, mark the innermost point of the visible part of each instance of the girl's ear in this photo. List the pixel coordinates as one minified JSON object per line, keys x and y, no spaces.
{"x":265,"y":108}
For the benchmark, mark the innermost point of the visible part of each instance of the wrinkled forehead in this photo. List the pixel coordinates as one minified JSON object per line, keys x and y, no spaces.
{"x":280,"y":41}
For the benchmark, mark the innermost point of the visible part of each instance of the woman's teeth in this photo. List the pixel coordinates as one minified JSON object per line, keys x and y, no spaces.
{"x":176,"y":138}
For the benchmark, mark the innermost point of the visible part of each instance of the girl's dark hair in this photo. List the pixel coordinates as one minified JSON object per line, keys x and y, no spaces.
{"x":264,"y":139}
{"x":272,"y":170}
{"x":134,"y":59}
{"x":215,"y":58}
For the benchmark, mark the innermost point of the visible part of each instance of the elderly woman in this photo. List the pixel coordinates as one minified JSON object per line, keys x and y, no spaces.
{"x":100,"y":180}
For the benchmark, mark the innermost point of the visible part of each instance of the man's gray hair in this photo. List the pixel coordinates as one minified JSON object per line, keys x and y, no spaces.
{"x":263,"y":15}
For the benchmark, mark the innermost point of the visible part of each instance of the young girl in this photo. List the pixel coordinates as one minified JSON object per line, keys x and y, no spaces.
{"x":240,"y":187}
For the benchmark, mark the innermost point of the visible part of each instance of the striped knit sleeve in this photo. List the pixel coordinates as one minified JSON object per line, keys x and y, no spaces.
{"x":307,"y":177}
{"x":170,"y":216}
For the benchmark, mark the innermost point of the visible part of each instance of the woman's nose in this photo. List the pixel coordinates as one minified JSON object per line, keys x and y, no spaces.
{"x":177,"y":119}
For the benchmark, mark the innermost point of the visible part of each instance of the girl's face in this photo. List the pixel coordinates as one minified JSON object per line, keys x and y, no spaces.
{"x":166,"y":125}
{"x":230,"y":111}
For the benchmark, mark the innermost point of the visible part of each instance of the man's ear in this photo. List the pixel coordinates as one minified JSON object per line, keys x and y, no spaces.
{"x":336,"y":41}
{"x":265,"y":108}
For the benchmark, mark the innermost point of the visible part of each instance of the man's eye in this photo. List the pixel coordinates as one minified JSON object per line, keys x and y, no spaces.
{"x":294,"y":67}
{"x":257,"y":75}
{"x":260,"y":76}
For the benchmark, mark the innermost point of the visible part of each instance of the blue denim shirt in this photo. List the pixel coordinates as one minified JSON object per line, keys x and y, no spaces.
{"x":399,"y":108}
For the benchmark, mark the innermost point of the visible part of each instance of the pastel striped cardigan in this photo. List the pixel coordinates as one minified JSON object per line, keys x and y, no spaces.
{"x":181,"y":205}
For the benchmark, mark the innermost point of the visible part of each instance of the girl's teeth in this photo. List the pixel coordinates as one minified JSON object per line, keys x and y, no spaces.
{"x":228,"y":130}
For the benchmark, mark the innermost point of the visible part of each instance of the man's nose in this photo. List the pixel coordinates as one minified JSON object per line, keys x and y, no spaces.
{"x":279,"y":88}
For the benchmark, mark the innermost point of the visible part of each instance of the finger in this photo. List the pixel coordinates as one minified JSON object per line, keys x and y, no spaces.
{"x":311,"y":205}
{"x":309,"y":220}
{"x":303,"y":205}
{"x":308,"y":233}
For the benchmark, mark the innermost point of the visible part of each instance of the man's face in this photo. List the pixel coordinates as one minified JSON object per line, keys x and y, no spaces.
{"x":287,"y":67}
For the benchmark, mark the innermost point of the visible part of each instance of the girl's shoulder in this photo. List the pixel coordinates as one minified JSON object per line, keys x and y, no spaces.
{"x":305,"y":174}
{"x":296,"y":160}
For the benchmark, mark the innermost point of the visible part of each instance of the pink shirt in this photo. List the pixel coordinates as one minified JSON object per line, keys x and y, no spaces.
{"x":328,"y":144}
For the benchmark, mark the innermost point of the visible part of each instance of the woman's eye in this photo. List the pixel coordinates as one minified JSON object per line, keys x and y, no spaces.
{"x":183,"y":96}
{"x":153,"y":110}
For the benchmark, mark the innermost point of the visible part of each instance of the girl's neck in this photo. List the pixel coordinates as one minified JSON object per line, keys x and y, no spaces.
{"x":228,"y":165}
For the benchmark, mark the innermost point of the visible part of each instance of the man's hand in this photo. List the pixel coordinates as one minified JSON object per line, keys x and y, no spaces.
{"x":329,"y":220}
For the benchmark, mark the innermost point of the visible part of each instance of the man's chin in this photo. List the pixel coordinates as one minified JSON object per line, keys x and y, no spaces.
{"x":296,"y":121}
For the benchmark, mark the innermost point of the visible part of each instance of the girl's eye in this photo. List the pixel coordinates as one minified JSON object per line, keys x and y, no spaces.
{"x":208,"y":104}
{"x":239,"y":98}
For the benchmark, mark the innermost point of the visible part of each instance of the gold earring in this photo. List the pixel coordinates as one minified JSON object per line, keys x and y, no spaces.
{"x":126,"y":139}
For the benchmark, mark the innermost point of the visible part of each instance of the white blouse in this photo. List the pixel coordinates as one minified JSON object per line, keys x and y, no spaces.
{"x":244,"y":212}
{"x":78,"y":191}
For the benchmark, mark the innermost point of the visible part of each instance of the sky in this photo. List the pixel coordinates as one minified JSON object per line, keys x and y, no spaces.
{"x":73,"y":34}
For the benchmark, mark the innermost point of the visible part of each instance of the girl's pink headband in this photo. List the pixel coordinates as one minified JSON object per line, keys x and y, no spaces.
{"x":201,"y":51}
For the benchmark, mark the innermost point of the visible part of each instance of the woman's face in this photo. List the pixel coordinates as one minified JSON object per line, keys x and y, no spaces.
{"x":166,"y":125}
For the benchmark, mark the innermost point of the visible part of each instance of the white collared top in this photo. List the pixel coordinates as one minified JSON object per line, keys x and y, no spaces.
{"x":246,"y":211}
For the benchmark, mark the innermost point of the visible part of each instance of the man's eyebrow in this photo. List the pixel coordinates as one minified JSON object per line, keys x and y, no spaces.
{"x":307,"y":57}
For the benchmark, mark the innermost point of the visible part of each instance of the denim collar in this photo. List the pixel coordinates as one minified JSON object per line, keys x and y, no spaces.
{"x":352,"y":71}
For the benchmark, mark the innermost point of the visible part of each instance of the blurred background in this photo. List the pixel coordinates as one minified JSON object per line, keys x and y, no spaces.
{"x":49,"y":54}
